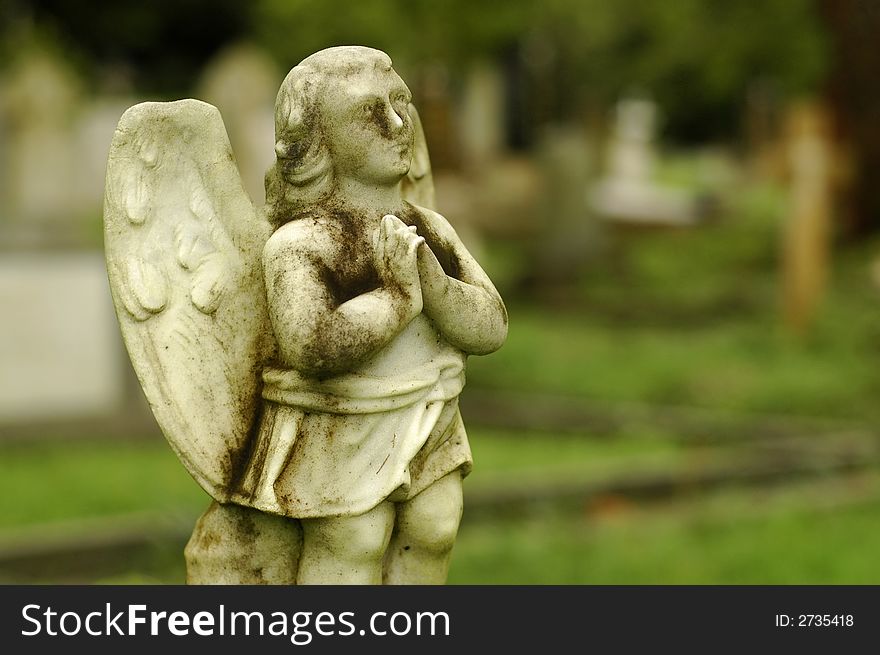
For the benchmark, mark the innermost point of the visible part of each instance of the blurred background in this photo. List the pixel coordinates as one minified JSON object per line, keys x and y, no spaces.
{"x":676,"y":200}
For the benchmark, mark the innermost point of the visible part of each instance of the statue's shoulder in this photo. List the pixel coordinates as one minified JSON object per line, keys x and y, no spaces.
{"x":309,"y":235}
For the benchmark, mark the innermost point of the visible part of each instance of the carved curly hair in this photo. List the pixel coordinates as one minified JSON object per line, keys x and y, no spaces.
{"x":302,"y":174}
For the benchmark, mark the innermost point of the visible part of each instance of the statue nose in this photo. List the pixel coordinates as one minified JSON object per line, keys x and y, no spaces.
{"x":396,"y":119}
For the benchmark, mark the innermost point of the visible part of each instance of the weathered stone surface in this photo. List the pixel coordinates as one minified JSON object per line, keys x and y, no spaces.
{"x":303,"y":360}
{"x":239,"y":545}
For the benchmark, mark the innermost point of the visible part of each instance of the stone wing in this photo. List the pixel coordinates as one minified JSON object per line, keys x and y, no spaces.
{"x":183,"y":244}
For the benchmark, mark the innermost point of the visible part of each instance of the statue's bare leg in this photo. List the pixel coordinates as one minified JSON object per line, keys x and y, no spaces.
{"x":347,"y":549}
{"x":241,"y":545}
{"x":424,"y":533}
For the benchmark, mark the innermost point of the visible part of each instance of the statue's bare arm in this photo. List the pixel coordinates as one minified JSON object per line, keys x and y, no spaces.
{"x":467,"y":309}
{"x":315,"y":334}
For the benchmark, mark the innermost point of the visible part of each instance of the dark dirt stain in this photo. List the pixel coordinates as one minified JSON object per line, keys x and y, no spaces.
{"x":378,"y":111}
{"x":345,"y":282}
{"x":352,"y":272}
{"x":246,"y":527}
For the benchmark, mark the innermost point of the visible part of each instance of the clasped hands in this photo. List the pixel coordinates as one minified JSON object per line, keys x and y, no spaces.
{"x":405,"y":262}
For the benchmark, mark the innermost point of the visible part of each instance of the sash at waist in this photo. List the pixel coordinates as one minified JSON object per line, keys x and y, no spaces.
{"x":439,"y":379}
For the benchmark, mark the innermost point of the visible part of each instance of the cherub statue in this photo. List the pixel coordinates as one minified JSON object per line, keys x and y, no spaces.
{"x":304,"y":360}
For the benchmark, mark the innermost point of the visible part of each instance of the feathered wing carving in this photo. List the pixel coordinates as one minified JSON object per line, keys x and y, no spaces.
{"x":183,"y":244}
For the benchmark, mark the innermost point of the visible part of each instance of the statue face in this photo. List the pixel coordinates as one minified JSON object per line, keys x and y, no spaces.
{"x":367,"y":128}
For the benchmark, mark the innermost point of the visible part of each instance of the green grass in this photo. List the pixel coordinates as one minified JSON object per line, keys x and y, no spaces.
{"x":820,"y":531}
{"x":791,"y":549}
{"x":502,"y":459}
{"x":61,"y":481}
{"x":85,"y":480}
{"x":794,"y":545}
{"x":744,"y":367}
{"x":656,"y":329}
{"x":794,"y":549}
{"x":682,"y":318}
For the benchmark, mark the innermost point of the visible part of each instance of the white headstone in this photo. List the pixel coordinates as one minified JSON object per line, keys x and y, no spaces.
{"x":628,"y":193}
{"x":92,"y":137}
{"x":60,"y":352}
{"x":242,"y":82}
{"x":482,"y":115}
{"x":41,"y":108}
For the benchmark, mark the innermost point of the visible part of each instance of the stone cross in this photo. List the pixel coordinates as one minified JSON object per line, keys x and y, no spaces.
{"x":628,"y":193}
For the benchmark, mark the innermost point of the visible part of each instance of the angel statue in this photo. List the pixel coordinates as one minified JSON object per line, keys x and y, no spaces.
{"x":304,"y":360}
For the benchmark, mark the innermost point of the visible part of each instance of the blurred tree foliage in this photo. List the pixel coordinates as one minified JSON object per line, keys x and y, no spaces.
{"x":696,"y":57}
{"x":160,"y":45}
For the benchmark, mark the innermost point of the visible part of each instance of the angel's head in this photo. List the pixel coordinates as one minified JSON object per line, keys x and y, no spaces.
{"x":341,"y":112}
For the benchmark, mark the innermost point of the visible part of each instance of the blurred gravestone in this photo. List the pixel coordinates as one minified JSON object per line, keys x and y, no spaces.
{"x":91,"y":140}
{"x":41,"y":103}
{"x":568,"y":234}
{"x":60,"y":352}
{"x":464,"y":199}
{"x":482,"y":115}
{"x":433,"y":98}
{"x":242,"y":82}
{"x":807,"y":232}
{"x":628,"y":193}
